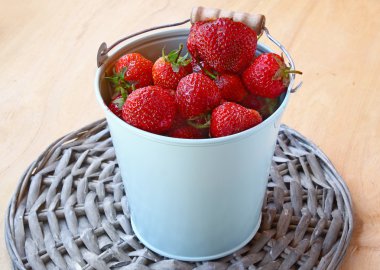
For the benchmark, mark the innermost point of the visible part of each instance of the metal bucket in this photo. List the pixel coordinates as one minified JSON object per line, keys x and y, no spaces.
{"x":191,"y":200}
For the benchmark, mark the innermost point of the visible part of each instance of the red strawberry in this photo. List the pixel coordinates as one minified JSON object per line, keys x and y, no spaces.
{"x":179,"y":121}
{"x":265,"y":106}
{"x":230,"y":118}
{"x":191,"y":40}
{"x":252,"y":101}
{"x":169,"y":69}
{"x":189,"y":68}
{"x":186,"y":132}
{"x":138,"y":70}
{"x":116,"y":105}
{"x":187,"y":129}
{"x":231,"y":87}
{"x":150,"y":108}
{"x":196,"y":94}
{"x":267,"y":76}
{"x":225,"y":45}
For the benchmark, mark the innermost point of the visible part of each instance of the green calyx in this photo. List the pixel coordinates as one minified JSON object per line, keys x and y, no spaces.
{"x":283,"y":72}
{"x":200,"y":122}
{"x":120,"y":84}
{"x":175,"y":59}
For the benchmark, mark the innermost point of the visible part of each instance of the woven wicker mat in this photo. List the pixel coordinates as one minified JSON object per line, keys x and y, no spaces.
{"x":70,"y":212}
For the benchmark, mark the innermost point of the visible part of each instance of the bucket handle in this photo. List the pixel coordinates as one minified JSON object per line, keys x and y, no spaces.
{"x":103,"y":50}
{"x":290,"y":59}
{"x":256,"y":22}
{"x":253,"y":21}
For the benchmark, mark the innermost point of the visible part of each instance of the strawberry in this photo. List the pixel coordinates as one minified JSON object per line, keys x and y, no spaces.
{"x":265,"y":106}
{"x":252,"y":101}
{"x":196,"y":94}
{"x":179,"y":121}
{"x":225,"y":45}
{"x":189,"y":68}
{"x":230,"y":118}
{"x":116,"y":105}
{"x":186,"y":132}
{"x":150,"y":108}
{"x":169,"y":69}
{"x":191,"y":40}
{"x":187,"y":129}
{"x":137,"y":69}
{"x":231,"y":87}
{"x":267,"y":76}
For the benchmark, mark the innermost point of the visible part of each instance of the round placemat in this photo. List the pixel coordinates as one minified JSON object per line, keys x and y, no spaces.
{"x":70,"y":211}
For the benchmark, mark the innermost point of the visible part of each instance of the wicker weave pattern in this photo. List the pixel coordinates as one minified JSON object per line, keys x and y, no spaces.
{"x":70,"y":211}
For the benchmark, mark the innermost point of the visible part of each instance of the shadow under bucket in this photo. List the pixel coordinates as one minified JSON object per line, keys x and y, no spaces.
{"x":191,"y":200}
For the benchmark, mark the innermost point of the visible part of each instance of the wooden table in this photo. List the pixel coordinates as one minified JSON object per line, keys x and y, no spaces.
{"x":48,"y":62}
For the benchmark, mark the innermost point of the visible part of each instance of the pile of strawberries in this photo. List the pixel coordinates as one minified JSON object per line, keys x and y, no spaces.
{"x":221,"y":90}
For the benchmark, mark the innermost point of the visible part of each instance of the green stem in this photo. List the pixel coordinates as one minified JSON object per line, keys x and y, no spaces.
{"x":213,"y":76}
{"x":179,"y":52}
{"x":123,"y":93}
{"x":163,"y":52}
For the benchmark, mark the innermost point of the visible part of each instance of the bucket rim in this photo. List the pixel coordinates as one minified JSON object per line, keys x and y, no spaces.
{"x":180,"y":141}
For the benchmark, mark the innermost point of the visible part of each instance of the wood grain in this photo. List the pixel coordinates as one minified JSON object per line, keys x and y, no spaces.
{"x":48,"y":60}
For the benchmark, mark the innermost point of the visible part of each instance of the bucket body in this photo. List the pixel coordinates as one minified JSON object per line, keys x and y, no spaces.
{"x":190,"y":199}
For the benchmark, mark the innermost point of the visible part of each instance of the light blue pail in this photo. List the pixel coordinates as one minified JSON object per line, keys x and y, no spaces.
{"x":191,"y":200}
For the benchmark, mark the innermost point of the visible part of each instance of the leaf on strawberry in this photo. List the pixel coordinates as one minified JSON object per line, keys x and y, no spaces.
{"x":175,"y":59}
{"x":120,"y":85}
{"x":175,"y":67}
